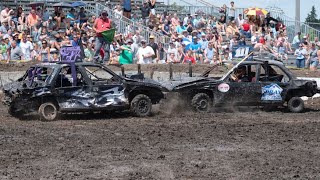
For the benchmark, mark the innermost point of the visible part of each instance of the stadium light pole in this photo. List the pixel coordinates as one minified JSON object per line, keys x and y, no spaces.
{"x":297,"y":19}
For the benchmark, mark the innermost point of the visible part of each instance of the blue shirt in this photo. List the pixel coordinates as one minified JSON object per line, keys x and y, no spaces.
{"x":194,"y":46}
{"x":127,"y":5}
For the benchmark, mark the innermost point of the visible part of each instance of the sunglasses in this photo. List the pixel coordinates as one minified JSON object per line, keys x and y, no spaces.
{"x":44,"y":43}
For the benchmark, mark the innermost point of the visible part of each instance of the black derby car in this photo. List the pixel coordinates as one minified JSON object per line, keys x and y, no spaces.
{"x":251,"y":83}
{"x":53,"y":88}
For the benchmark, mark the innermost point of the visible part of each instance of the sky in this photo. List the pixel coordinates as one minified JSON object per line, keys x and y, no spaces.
{"x":288,"y":6}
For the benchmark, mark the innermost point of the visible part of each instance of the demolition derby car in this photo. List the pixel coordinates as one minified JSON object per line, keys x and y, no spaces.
{"x":54,"y":88}
{"x":268,"y":84}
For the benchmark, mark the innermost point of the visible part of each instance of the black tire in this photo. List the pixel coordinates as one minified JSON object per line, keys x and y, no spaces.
{"x":141,"y":105}
{"x":201,"y":102}
{"x":296,"y":105}
{"x":48,"y":111}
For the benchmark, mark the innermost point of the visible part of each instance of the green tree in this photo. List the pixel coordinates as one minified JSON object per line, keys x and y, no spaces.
{"x":312,"y":18}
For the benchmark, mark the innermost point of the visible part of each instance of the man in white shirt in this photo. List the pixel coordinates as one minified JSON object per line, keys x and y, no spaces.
{"x":145,"y":53}
{"x":26,"y":47}
{"x":239,"y":21}
{"x":232,"y":11}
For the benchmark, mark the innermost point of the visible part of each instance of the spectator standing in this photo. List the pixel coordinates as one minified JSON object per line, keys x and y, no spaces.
{"x":145,"y":12}
{"x":126,"y":4}
{"x":45,"y":51}
{"x":101,"y":24}
{"x":269,"y":19}
{"x":314,"y":57}
{"x":155,"y":48}
{"x":145,"y":53}
{"x":15,"y":52}
{"x":82,"y":16}
{"x":152,"y":5}
{"x":301,"y":56}
{"x":232,"y":11}
{"x":26,"y":47}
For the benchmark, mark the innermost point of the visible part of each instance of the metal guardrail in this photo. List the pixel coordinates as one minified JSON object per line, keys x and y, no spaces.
{"x":124,"y":25}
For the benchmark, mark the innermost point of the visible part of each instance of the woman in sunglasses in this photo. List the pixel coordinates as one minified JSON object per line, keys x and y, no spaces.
{"x":45,"y":51}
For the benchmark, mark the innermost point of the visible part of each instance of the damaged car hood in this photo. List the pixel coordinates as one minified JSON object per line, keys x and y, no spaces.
{"x":176,"y":84}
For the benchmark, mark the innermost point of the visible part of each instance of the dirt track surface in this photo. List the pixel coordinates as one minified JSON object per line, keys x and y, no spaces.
{"x":220,"y":145}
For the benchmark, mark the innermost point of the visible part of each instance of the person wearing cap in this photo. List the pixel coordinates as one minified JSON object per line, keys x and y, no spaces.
{"x":203,"y":43}
{"x":300,"y":54}
{"x":155,"y":48}
{"x":126,"y":55}
{"x":145,"y":53}
{"x":196,"y":49}
{"x":101,"y":24}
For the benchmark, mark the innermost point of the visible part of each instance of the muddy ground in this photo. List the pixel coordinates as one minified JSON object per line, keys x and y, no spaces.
{"x":225,"y":144}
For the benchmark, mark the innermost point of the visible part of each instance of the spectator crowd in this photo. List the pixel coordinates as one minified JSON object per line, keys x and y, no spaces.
{"x":197,"y":38}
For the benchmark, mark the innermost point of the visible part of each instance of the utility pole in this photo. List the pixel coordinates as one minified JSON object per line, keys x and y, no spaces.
{"x":297,"y":19}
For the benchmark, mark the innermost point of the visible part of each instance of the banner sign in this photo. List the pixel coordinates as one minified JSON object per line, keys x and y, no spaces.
{"x":241,"y":51}
{"x":70,"y":54}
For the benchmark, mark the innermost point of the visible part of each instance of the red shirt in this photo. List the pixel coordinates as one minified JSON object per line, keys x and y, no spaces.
{"x":102,"y":25}
{"x":187,"y":59}
{"x":246,"y":27}
{"x":262,"y":40}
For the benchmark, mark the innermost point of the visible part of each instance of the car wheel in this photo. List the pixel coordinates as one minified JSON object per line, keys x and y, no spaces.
{"x":296,"y":104}
{"x":48,"y":111}
{"x":141,"y":105}
{"x":201,"y":102}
